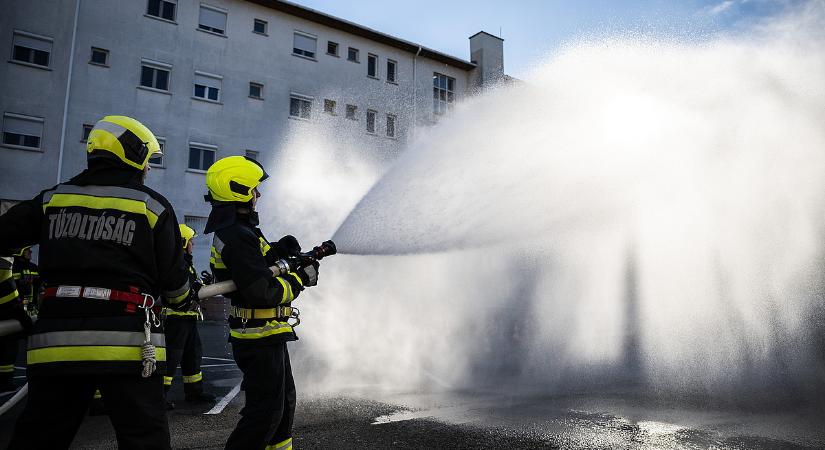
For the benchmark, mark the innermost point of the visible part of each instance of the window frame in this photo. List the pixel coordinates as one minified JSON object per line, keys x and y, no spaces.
{"x":337,"y":47}
{"x":256,"y":154}
{"x":373,"y":57}
{"x":255,"y":22}
{"x":354,"y":112}
{"x":357,"y":55}
{"x":37,"y":37}
{"x":303,"y":98}
{"x":304,"y":53}
{"x":84,"y":136}
{"x":260,"y":90}
{"x":443,"y":107}
{"x":207,"y":88}
{"x":156,"y":65}
{"x":394,"y":64}
{"x":160,"y":10}
{"x":202,"y":147}
{"x":211,"y":30}
{"x":374,"y":114}
{"x":100,"y":50}
{"x":330,"y":111}
{"x":391,"y":118}
{"x":27,"y":118}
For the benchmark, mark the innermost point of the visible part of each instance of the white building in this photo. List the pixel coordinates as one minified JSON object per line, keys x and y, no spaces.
{"x":211,"y":78}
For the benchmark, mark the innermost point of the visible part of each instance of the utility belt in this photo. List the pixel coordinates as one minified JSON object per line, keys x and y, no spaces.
{"x":132,"y":300}
{"x":278,"y":312}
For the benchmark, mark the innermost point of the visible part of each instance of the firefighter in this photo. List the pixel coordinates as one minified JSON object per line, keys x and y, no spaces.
{"x":183,"y":343}
{"x":11,"y":307}
{"x":260,"y":307}
{"x":109,"y":248}
{"x":27,"y":278}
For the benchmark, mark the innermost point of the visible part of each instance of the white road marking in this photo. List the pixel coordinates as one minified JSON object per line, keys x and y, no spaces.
{"x":218,"y":408}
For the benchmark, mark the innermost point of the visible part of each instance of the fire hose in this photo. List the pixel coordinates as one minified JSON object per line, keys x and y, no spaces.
{"x":281,"y":267}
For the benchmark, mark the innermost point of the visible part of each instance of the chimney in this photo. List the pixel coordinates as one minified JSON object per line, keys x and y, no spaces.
{"x":487,"y":52}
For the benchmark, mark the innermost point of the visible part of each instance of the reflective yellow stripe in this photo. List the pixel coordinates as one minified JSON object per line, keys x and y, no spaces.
{"x":86,"y":201}
{"x":264,"y":246}
{"x":8,"y":297}
{"x":97,"y":395}
{"x":286,"y":444}
{"x":177,"y":299}
{"x":172,"y":312}
{"x":297,"y":278}
{"x":215,"y":259}
{"x":193,"y":378}
{"x":167,"y":381}
{"x":287,"y":295}
{"x":89,"y":353}
{"x":7,"y":368}
{"x":270,"y":329}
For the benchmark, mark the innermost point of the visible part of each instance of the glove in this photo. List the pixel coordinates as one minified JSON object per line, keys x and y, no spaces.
{"x":207,"y":277}
{"x":308,"y":272}
{"x":288,"y":246}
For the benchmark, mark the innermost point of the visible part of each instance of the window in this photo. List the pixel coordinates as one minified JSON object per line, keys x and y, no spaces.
{"x":157,"y":161}
{"x":252,"y":154}
{"x":201,"y":156}
{"x":208,"y":86}
{"x":370,"y":121}
{"x":303,"y":45}
{"x":300,"y":106}
{"x":443,"y":93}
{"x":391,"y":66}
{"x":22,"y":131}
{"x":87,"y":128}
{"x":372,"y":65}
{"x":390,"y":125}
{"x":196,"y":223}
{"x":212,"y":19}
{"x":100,"y":56}
{"x":329,"y":106}
{"x":154,"y":75}
{"x":352,"y":110}
{"x":165,"y":9}
{"x":256,"y":90}
{"x":352,"y":54}
{"x":31,"y":49}
{"x":332,"y":48}
{"x":259,"y":26}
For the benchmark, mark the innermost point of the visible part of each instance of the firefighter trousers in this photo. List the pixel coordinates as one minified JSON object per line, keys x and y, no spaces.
{"x":183,"y":346}
{"x":266,"y":418}
{"x":9,"y":347}
{"x":57,"y":405}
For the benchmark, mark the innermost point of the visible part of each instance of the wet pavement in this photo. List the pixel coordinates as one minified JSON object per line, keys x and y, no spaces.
{"x":363,"y":418}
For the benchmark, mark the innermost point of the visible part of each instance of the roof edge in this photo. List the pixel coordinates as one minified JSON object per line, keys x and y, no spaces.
{"x":353,"y":28}
{"x":488,"y":34}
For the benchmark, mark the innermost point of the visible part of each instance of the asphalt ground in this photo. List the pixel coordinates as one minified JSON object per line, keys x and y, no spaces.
{"x":363,"y":418}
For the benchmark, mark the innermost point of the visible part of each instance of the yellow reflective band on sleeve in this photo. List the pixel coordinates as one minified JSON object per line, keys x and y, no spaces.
{"x":264,"y":246}
{"x":287,"y":295}
{"x":270,"y":329}
{"x":286,"y":444}
{"x":297,"y":278}
{"x":97,"y":395}
{"x":8,"y":368}
{"x":9,"y":297}
{"x":89,"y":353}
{"x":17,"y":276}
{"x":193,"y":378}
{"x":215,"y":259}
{"x":87,"y":201}
{"x":167,"y":381}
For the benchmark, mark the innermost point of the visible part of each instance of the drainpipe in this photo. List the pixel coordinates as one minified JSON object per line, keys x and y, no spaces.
{"x":68,"y":89}
{"x":415,"y":95}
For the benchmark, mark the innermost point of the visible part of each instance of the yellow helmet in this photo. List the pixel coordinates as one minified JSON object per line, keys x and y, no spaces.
{"x":125,"y":138}
{"x":233,"y":178}
{"x":187,"y":233}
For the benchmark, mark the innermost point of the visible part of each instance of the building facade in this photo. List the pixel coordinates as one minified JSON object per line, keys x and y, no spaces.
{"x":211,"y":78}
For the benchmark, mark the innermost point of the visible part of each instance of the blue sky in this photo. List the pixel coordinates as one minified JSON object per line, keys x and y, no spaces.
{"x":534,"y":28}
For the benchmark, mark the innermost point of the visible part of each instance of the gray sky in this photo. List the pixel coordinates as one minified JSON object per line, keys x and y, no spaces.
{"x":534,"y":28}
